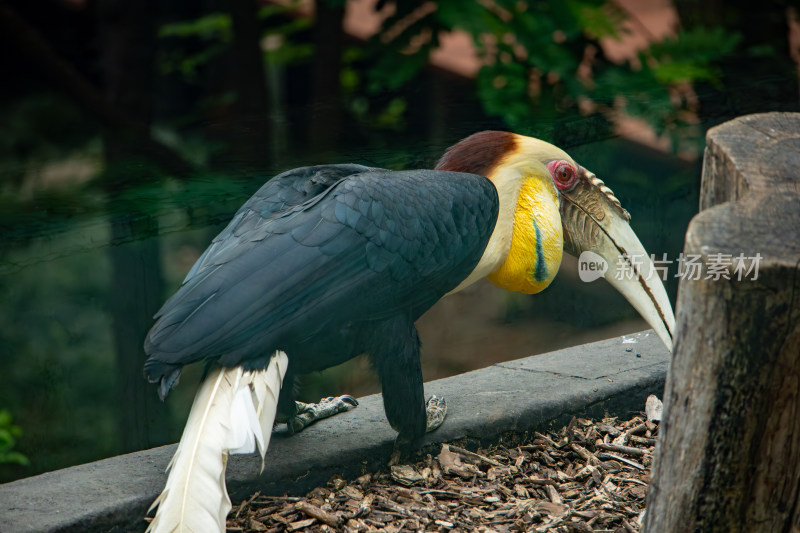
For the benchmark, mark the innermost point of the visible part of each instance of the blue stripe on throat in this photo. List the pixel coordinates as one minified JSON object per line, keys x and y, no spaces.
{"x":540,"y":272}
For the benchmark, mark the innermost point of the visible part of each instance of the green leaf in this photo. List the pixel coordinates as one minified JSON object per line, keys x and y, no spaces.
{"x":15,"y":458}
{"x":211,"y":26}
{"x":699,"y":45}
{"x":503,"y":91}
{"x":689,"y":56}
{"x":9,"y":432}
{"x":269,"y":10}
{"x":675,"y":72}
{"x":392,"y":72}
{"x":598,"y":18}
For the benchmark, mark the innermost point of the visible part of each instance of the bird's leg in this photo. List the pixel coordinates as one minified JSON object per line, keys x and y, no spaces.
{"x":435,"y":411}
{"x":308,"y":413}
{"x":398,"y":366}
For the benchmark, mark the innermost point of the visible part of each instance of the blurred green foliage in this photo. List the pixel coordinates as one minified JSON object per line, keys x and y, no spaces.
{"x":211,"y":27}
{"x":540,"y":59}
{"x":598,"y":18}
{"x":657,"y":91}
{"x":213,"y":32}
{"x":9,"y":433}
{"x":58,"y":365}
{"x":690,"y":55}
{"x":198,"y":41}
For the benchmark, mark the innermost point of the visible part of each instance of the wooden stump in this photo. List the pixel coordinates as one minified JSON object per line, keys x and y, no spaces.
{"x":729,"y":454}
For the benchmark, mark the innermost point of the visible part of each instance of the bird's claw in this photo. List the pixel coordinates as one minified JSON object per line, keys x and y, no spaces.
{"x":345,"y":398}
{"x":308,"y":413}
{"x":395,"y":458}
{"x":435,"y":411}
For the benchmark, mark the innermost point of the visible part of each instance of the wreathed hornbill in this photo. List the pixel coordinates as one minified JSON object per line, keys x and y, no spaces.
{"x":326,"y":263}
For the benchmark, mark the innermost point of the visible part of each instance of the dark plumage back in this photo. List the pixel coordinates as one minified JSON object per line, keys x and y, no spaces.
{"x":289,"y":274}
{"x":282,"y":192}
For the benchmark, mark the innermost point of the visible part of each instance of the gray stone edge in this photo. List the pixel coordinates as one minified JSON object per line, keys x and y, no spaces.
{"x":610,"y":377}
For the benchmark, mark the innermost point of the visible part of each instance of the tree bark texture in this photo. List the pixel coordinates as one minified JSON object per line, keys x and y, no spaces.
{"x":136,"y":286}
{"x":325,"y":121}
{"x":137,"y":291}
{"x":251,"y":110}
{"x":728,"y":458}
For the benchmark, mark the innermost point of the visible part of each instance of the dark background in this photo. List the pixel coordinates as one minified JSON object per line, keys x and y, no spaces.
{"x":131,"y":131}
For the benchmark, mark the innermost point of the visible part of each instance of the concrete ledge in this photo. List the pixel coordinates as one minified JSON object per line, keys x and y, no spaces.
{"x":612,"y":376}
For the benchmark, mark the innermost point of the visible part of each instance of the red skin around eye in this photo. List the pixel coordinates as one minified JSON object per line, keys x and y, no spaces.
{"x":559,"y":167}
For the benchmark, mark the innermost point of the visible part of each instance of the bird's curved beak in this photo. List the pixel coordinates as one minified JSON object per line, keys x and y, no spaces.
{"x":594,"y":221}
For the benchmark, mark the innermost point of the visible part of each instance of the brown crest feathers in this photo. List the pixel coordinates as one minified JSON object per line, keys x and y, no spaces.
{"x":479,"y":153}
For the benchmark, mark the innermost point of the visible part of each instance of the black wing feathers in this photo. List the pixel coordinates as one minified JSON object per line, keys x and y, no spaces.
{"x":282,"y":192}
{"x":372,"y":244}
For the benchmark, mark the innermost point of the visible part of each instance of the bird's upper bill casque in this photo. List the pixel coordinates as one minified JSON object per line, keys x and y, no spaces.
{"x":549,"y":203}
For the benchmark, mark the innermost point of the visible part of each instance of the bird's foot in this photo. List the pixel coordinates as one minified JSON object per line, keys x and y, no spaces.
{"x":404,"y":447}
{"x":395,"y":458}
{"x":308,"y":413}
{"x":435,"y":410}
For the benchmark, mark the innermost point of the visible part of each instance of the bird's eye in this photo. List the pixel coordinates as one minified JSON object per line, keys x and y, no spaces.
{"x":564,"y":174}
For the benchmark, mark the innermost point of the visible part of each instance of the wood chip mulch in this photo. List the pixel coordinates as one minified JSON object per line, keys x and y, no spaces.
{"x":587,"y":476}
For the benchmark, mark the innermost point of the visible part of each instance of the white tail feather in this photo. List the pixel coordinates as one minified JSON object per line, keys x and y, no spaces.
{"x":233,"y":412}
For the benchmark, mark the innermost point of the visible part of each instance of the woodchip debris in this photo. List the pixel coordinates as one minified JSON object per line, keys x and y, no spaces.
{"x":590,"y":475}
